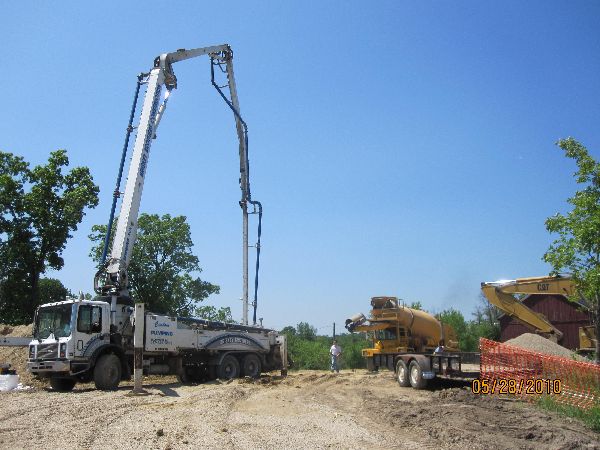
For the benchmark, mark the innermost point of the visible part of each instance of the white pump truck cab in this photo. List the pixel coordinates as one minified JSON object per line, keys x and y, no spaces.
{"x":82,"y":340}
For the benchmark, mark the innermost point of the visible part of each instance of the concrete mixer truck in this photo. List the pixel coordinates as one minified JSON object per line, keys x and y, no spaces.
{"x":411,"y":342}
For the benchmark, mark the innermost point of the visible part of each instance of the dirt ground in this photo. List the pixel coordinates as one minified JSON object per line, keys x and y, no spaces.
{"x":308,"y":409}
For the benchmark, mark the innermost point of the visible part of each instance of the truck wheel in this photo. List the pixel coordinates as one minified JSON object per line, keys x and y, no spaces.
{"x":193,"y":374}
{"x":416,"y":376}
{"x":229,"y":368}
{"x":107,"y":373}
{"x":62,"y":384}
{"x":251,"y":366}
{"x":187,"y":376}
{"x":402,"y":373}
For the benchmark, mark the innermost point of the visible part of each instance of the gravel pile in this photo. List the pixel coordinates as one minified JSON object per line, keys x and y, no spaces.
{"x":537,"y":343}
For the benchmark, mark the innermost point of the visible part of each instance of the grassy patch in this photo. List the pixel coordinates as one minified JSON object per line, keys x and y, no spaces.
{"x":591,"y":416}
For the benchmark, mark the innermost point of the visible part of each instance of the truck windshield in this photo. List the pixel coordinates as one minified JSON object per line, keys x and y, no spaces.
{"x":53,"y":320}
{"x":385,"y":335}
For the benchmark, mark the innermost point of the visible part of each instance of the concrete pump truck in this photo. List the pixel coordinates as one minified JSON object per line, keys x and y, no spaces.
{"x":84,"y":340}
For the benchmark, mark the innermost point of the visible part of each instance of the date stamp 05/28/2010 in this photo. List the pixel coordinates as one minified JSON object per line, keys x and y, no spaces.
{"x":531,"y":386}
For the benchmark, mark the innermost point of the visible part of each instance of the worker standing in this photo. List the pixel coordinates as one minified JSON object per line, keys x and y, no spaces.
{"x":335,"y":352}
{"x":440,"y":348}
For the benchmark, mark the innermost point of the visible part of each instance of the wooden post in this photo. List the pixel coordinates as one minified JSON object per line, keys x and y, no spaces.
{"x":334,"y":330}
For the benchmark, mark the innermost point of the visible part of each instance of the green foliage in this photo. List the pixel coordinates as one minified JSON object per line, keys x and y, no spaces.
{"x":309,"y":354}
{"x":469,"y":332}
{"x":307,"y":350}
{"x":486,"y":320}
{"x":39,"y":210}
{"x":466,"y":340}
{"x":306,"y":331}
{"x":52,"y":290}
{"x":352,"y":345}
{"x":416,"y":305}
{"x":162,"y":266}
{"x":591,"y":416}
{"x":211,"y":313}
{"x":577,"y":248}
{"x":289,"y":331}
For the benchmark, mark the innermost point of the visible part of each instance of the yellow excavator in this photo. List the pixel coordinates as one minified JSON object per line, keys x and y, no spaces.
{"x":503,"y":294}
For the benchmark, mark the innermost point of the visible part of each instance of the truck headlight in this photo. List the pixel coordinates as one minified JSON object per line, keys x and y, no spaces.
{"x":32,"y":352}
{"x":63,"y":350}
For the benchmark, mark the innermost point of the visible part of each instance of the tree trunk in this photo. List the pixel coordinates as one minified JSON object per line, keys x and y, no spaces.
{"x":34,"y":298}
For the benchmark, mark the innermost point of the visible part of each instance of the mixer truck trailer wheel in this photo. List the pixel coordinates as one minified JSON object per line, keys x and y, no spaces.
{"x":229,"y":368}
{"x":402,"y":373}
{"x":416,"y":375}
{"x":107,"y":373}
{"x":62,"y":384}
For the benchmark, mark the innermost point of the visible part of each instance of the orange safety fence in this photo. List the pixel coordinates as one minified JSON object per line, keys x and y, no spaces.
{"x":506,"y":369}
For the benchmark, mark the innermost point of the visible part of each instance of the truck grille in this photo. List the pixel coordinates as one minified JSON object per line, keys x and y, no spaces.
{"x":47,"y":351}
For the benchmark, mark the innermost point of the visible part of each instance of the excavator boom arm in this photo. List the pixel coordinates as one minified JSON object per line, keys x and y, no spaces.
{"x":501,"y":295}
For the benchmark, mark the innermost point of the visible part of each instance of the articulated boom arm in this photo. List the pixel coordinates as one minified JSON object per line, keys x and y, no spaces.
{"x":114,"y":274}
{"x":501,"y":294}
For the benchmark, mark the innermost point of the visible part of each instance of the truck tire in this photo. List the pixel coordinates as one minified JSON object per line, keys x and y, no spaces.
{"x":188,"y":376}
{"x":62,"y":384}
{"x":251,"y":366}
{"x":416,"y":375}
{"x":107,"y":373}
{"x":402,"y":374}
{"x":229,"y":368}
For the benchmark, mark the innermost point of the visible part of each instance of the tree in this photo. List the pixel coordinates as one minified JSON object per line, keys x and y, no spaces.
{"x":486,"y":323}
{"x":289,"y":331}
{"x":162,"y":265}
{"x":39,"y":210}
{"x":577,"y":248}
{"x":416,"y":305}
{"x":52,"y":290}
{"x":211,"y":313}
{"x":467,"y":340}
{"x":306,"y":331}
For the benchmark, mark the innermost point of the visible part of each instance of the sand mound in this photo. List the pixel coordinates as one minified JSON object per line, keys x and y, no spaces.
{"x":17,"y":356}
{"x":16,"y":330}
{"x":537,"y":343}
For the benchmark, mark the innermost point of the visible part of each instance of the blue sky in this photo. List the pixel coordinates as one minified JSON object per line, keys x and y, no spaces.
{"x":399,"y":148}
